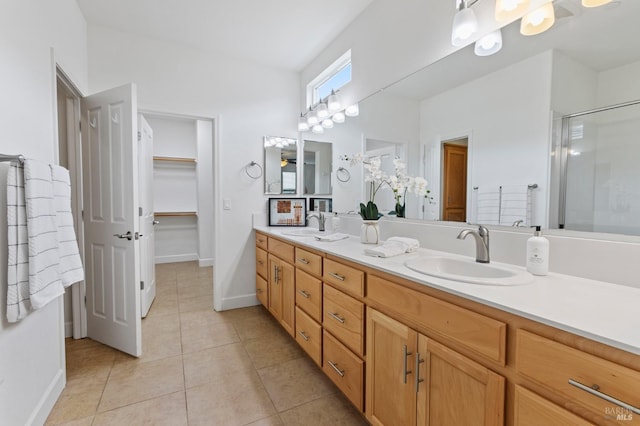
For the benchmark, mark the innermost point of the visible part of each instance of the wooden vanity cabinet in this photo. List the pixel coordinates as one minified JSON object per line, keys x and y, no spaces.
{"x":281,"y":286}
{"x":531,"y":409}
{"x":412,"y":379}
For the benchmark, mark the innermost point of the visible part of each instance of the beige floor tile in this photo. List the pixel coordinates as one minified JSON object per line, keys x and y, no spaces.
{"x":295,"y":382}
{"x":273,"y":349}
{"x":133,"y":382}
{"x":169,"y":410}
{"x":241,"y":314}
{"x":236,"y":400}
{"x":169,"y":288}
{"x":188,"y":291}
{"x":269,"y":421}
{"x":202,"y":318}
{"x":198,"y":303}
{"x":214,"y":364}
{"x":160,"y":339}
{"x":94,"y":362}
{"x":257,"y":326}
{"x":72,"y":345}
{"x":76,"y":403}
{"x":208,"y":336}
{"x":164,"y":304}
{"x":85,"y":421}
{"x":331,"y":410}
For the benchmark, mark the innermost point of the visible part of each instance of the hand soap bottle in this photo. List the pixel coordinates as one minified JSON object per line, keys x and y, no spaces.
{"x":335,"y":222}
{"x":538,"y":253}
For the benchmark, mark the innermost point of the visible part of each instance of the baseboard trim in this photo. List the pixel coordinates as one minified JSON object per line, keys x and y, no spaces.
{"x":48,"y":400}
{"x":176,"y":258}
{"x":236,"y":302}
{"x":68,"y":329}
{"x":205,"y":262}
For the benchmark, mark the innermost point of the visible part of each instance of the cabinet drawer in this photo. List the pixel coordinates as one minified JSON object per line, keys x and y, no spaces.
{"x":343,"y":316}
{"x":552,"y":365}
{"x":281,"y":249}
{"x":261,"y":291}
{"x":343,"y":276}
{"x":310,"y":262}
{"x":483,"y":335}
{"x":261,"y":241}
{"x":309,"y":294}
{"x":309,"y":335}
{"x":344,"y":368}
{"x":261,"y":263}
{"x":533,"y":410}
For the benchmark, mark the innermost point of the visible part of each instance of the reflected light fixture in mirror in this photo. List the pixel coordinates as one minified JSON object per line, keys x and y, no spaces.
{"x":352,"y":110}
{"x":323,"y":115}
{"x":594,"y":3}
{"x":465,"y":24}
{"x":303,"y":126}
{"x":509,"y":10}
{"x":489,"y":44}
{"x":278,"y":142}
{"x":538,"y":21}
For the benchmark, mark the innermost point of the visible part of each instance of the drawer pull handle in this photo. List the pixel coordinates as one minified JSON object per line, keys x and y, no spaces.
{"x":335,"y":367}
{"x":406,"y":355}
{"x":275,"y":268}
{"x":304,"y":336}
{"x":260,"y":262}
{"x":594,"y":391}
{"x":336,"y":317}
{"x":302,"y":260}
{"x":418,"y":379}
{"x":304,"y":294}
{"x":337,"y":276}
{"x":259,"y":290}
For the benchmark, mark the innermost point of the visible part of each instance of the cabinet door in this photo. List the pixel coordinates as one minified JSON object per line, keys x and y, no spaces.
{"x":391,"y":348}
{"x":288,"y":294}
{"x":456,"y":390}
{"x":275,"y":286}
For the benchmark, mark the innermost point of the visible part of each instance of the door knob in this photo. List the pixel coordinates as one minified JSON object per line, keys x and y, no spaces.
{"x":155,"y":222}
{"x":128,"y":235}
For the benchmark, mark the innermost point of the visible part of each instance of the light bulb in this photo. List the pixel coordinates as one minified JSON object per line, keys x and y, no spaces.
{"x":317,"y":129}
{"x":338,"y":117}
{"x":352,"y":110}
{"x":465,"y":26}
{"x":333,"y":102}
{"x":489,"y":44}
{"x":508,"y":10}
{"x":303,"y":126}
{"x":312,"y":118}
{"x":322,"y":111}
{"x":327,"y":123}
{"x":538,"y":21}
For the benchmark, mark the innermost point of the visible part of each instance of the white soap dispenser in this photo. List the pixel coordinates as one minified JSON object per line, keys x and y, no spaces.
{"x":538,"y":253}
{"x":335,"y":222}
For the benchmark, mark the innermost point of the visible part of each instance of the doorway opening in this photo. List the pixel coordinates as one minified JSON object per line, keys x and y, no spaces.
{"x":454,"y":179}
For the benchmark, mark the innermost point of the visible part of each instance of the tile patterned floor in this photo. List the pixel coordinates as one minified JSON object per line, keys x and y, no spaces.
{"x":199,"y":367}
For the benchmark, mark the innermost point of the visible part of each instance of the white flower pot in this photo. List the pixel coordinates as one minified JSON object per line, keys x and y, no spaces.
{"x":370,"y":232}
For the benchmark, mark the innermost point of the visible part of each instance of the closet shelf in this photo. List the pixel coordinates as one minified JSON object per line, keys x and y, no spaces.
{"x":176,"y":159}
{"x":175,"y":214}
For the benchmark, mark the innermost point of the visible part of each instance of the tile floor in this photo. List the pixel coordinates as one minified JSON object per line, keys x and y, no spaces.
{"x":199,"y":367}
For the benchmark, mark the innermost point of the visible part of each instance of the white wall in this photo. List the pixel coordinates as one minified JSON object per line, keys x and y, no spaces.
{"x":32,"y":364}
{"x":250,"y":101}
{"x":614,"y":85}
{"x":506,"y":115}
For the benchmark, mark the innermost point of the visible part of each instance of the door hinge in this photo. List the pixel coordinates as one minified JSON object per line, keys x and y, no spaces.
{"x":140,"y":211}
{"x":141,"y":285}
{"x":82,"y":214}
{"x":80,"y":125}
{"x":139,"y":136}
{"x":85,"y":300}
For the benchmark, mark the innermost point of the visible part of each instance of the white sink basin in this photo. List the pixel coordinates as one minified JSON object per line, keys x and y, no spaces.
{"x":301,"y":232}
{"x":469,"y":271}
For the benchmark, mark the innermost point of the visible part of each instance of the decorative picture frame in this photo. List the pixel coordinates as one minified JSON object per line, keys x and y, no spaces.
{"x":287,"y":211}
{"x":324,"y":205}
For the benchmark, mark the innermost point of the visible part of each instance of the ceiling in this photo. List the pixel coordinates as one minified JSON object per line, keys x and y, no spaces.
{"x":285,"y":34}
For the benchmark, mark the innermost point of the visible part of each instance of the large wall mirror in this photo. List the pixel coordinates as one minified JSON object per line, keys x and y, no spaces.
{"x":280,"y":165}
{"x":317,"y":167}
{"x":508,"y":110}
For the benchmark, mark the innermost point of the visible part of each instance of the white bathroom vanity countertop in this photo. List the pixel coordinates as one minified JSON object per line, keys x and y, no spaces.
{"x":605,"y":312}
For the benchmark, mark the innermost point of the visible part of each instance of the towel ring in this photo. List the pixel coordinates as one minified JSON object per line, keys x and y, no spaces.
{"x":248,"y":167}
{"x":343,"y":174}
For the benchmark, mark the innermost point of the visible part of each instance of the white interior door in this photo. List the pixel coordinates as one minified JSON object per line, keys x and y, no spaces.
{"x":147,"y":237}
{"x":112,"y":250}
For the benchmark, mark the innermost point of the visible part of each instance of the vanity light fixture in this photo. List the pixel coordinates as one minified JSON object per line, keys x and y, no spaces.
{"x":333,"y":102}
{"x":338,"y":117}
{"x":322,"y":111}
{"x":465,"y":24}
{"x":278,"y":142}
{"x":327,"y":123}
{"x":509,"y":10}
{"x":538,"y":21}
{"x":317,"y":129}
{"x":489,"y":44}
{"x":594,"y":3}
{"x":352,"y":110}
{"x":312,"y":118}
{"x":303,"y":126}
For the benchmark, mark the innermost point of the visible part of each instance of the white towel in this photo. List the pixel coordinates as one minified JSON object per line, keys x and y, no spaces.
{"x":394,"y":246}
{"x":410,"y":244}
{"x":71,"y":270}
{"x":487,"y":206}
{"x":331,"y":237}
{"x":18,"y":302}
{"x":515,"y":204}
{"x":44,"y":275}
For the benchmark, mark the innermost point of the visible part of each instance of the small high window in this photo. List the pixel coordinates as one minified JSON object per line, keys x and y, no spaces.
{"x":333,"y":78}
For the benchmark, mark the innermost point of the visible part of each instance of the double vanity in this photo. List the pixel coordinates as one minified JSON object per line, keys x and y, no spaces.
{"x":436,"y":338}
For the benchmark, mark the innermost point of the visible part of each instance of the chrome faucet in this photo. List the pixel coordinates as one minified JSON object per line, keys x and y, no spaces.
{"x":517,"y":223}
{"x":482,"y":242}
{"x":321,"y":220}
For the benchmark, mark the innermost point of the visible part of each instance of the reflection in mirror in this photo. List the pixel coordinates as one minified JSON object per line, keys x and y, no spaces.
{"x":504,"y":106}
{"x":280,"y":158}
{"x":317,"y":167}
{"x":386,"y":151}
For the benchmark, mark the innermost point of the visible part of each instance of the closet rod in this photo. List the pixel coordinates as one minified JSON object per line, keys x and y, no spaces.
{"x":5,"y":157}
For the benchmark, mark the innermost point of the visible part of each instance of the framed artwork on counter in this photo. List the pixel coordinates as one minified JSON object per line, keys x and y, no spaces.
{"x":320,"y":205}
{"x":287,"y":212}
